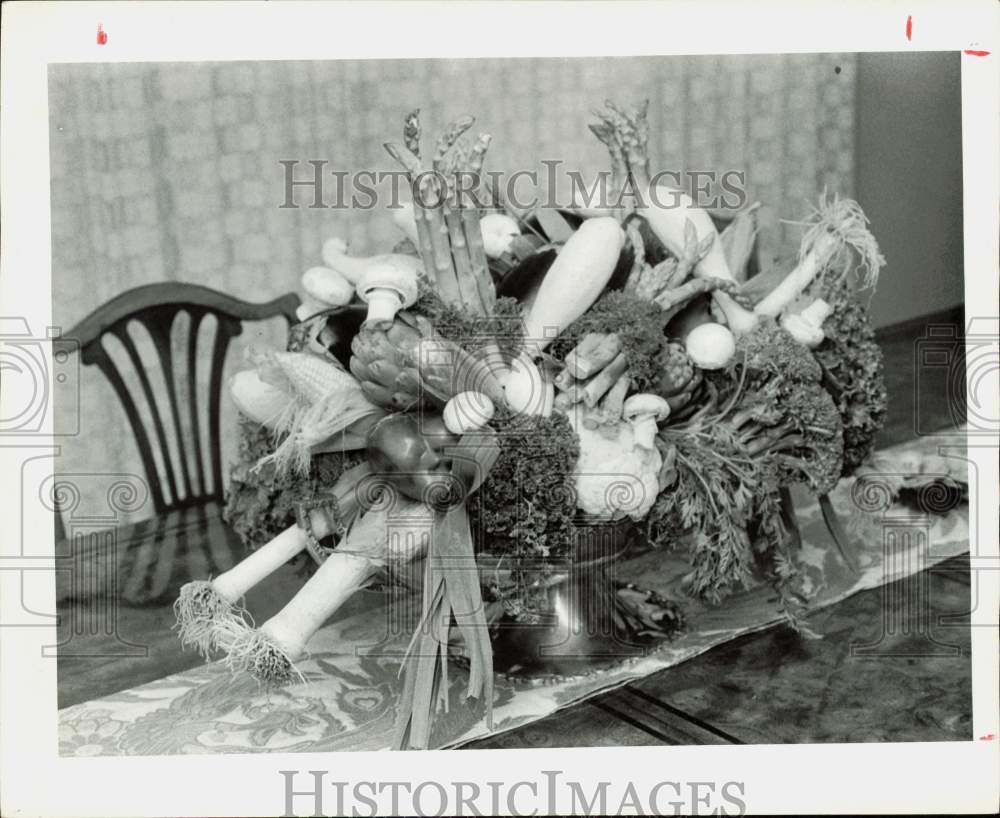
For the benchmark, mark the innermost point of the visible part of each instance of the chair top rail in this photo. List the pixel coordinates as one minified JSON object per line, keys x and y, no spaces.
{"x":178,"y":295}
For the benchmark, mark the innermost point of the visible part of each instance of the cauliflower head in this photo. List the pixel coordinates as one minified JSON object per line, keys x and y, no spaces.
{"x":614,"y":476}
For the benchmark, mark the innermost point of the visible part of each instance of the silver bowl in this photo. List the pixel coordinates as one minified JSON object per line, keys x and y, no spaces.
{"x":590,"y":620}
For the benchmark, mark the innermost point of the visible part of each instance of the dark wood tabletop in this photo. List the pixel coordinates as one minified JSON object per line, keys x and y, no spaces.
{"x":768,"y":687}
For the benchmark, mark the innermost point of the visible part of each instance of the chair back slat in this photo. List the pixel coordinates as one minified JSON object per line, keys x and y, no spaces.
{"x":120,"y":331}
{"x":99,"y":356}
{"x":226,"y":330}
{"x":155,"y":308}
{"x":159,"y":324}
{"x":192,"y":370}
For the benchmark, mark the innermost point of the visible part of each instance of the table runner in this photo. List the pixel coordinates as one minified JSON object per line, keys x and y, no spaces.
{"x":348,"y":699}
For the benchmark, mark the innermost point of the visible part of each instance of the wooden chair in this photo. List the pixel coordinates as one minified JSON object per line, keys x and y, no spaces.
{"x":156,"y":307}
{"x":115,"y":584}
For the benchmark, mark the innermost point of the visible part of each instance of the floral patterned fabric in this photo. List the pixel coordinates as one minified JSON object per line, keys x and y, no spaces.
{"x":348,"y":701}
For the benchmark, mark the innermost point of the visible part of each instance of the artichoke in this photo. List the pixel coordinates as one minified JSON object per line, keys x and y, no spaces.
{"x":385,"y":363}
{"x":397,"y":372}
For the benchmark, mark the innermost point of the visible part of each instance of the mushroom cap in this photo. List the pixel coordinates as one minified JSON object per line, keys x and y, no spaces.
{"x":327,"y":286}
{"x":468,"y":411}
{"x":645,"y":403}
{"x":498,"y":231}
{"x":385,"y":275}
{"x":710,"y":346}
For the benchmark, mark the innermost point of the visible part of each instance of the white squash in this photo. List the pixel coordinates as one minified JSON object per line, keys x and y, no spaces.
{"x":574,"y":281}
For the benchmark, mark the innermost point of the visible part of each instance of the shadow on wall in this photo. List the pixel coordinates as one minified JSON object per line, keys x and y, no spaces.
{"x":908,"y":159}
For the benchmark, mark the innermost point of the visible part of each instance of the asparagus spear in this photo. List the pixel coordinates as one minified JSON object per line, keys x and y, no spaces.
{"x":604,"y":380}
{"x":411,"y":132}
{"x":432,"y":232}
{"x":631,"y":131}
{"x":581,"y":351}
{"x":473,"y":231}
{"x":673,"y":300}
{"x":450,"y":239}
{"x":449,"y":138}
{"x":658,"y":278}
{"x":588,"y":358}
{"x":427,"y":220}
{"x":464,"y":275}
{"x":612,"y":404}
{"x":638,"y":257}
{"x":619,"y":168}
{"x":465,"y":233}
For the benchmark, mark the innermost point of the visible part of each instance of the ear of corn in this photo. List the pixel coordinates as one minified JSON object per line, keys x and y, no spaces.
{"x":310,"y":377}
{"x":324,"y":400}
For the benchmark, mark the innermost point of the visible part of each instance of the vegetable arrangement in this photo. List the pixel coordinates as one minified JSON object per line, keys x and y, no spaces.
{"x":516,"y":376}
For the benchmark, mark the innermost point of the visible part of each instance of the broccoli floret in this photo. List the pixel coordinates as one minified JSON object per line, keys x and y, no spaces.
{"x":639,"y":325}
{"x":853,"y":373}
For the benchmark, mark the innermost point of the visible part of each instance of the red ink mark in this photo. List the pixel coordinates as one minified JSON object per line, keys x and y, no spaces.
{"x":909,"y":27}
{"x":987,"y":737}
{"x":972,"y":52}
{"x":102,"y":35}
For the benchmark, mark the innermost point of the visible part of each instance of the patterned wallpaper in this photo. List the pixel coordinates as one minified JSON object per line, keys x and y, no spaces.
{"x":171,"y":171}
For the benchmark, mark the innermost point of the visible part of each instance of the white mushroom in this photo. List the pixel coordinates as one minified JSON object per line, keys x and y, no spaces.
{"x":710,"y":346}
{"x":806,"y":327}
{"x":468,"y":411}
{"x":354,"y":267}
{"x":643,"y":412}
{"x":498,"y":231}
{"x":327,"y":286}
{"x":387,"y":289}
